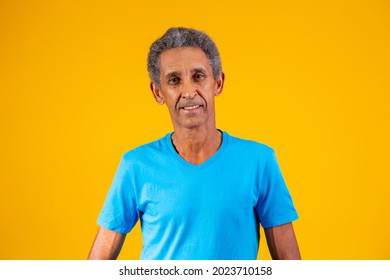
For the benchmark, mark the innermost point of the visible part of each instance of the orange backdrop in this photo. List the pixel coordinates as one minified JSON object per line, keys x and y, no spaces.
{"x":309,"y":78}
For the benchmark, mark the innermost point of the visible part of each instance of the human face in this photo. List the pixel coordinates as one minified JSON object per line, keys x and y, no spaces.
{"x":187,"y":87}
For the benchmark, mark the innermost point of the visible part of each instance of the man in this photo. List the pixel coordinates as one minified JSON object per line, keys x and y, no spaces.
{"x":198,"y":192}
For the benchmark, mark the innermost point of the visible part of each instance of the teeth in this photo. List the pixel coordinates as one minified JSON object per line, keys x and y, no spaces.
{"x":191,"y":107}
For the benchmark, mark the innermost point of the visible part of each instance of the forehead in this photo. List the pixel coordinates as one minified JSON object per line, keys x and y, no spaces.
{"x":184,"y":58}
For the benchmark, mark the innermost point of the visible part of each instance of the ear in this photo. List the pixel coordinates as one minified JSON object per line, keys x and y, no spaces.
{"x":157,"y":93}
{"x":219,"y":84}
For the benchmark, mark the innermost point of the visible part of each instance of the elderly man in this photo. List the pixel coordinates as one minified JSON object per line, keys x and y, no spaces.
{"x":199,"y":192}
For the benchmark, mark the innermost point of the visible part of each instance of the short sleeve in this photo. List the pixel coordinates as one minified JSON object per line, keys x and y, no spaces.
{"x":119,"y":212}
{"x":274,"y":206}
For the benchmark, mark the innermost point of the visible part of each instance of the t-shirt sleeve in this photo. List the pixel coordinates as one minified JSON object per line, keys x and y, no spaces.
{"x":119,"y":212}
{"x":274,"y":206}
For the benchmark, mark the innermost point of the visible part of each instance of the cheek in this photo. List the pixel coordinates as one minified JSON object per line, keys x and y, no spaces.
{"x":171,"y":96}
{"x":209,"y":91}
{"x":172,"y":91}
{"x":211,"y":88}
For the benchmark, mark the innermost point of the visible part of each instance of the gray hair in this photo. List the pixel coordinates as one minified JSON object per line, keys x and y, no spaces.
{"x":182,"y":37}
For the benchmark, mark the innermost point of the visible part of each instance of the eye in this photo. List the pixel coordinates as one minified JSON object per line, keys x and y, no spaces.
{"x":174,"y":80}
{"x":199,"y":76}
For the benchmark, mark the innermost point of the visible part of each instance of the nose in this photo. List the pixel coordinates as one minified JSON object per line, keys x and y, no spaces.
{"x":188,"y":90}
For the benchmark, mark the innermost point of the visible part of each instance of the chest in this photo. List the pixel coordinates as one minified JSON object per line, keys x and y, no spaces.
{"x":189,"y":194}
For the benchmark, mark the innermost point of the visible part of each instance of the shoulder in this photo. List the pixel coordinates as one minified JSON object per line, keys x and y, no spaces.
{"x":146,"y":152}
{"x":249,"y":146}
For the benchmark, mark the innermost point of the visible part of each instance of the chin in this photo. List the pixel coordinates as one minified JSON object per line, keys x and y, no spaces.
{"x":192,"y":125}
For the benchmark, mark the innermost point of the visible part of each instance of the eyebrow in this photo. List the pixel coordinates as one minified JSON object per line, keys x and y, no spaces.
{"x":198,"y":69}
{"x":172,"y":74}
{"x":178,"y":74}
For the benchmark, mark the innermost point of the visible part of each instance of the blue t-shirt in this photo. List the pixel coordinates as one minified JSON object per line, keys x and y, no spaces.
{"x":207,"y":211}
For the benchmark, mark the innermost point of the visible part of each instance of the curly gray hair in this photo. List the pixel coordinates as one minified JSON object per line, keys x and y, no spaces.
{"x":182,"y":37}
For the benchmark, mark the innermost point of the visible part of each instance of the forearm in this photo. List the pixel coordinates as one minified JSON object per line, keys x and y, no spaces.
{"x":282,"y":242}
{"x":107,"y":245}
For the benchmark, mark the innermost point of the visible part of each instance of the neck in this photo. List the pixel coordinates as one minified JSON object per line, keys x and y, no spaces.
{"x":196,"y":145}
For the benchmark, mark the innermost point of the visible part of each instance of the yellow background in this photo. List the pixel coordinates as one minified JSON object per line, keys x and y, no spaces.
{"x":309,"y":78}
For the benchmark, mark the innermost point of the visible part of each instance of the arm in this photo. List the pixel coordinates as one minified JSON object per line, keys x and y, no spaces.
{"x":107,"y":245}
{"x":282,"y":243}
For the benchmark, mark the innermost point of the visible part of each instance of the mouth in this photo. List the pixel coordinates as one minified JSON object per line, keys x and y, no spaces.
{"x":190,"y":108}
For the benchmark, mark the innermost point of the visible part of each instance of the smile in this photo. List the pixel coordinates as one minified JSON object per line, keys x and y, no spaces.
{"x":189,"y":108}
